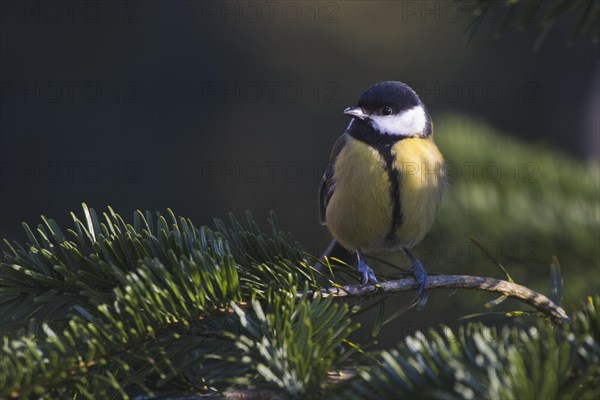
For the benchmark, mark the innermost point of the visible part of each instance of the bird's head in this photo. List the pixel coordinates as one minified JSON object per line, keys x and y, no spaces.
{"x":390,"y":109}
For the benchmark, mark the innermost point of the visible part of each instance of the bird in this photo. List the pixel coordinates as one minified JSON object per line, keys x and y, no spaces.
{"x":384,"y":180}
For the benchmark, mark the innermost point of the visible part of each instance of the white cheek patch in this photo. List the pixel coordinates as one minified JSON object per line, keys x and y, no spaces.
{"x":406,"y":123}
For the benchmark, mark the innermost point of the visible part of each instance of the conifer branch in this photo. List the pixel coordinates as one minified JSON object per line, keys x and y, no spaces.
{"x":540,"y":302}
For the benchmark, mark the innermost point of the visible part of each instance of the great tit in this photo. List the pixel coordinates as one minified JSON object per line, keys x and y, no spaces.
{"x":385,"y":178}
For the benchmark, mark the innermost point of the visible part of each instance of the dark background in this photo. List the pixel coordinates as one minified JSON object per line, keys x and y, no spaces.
{"x":210,"y":107}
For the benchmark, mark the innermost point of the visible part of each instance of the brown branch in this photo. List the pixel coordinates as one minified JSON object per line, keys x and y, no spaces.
{"x":526,"y":295}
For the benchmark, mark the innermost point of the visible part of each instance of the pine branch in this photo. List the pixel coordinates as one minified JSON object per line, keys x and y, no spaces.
{"x":526,"y":295}
{"x":161,"y":306}
{"x":543,"y":14}
{"x":50,"y":274}
{"x":473,"y":361}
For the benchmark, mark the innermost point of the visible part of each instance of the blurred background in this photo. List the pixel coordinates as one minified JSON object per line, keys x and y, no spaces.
{"x":213,"y":107}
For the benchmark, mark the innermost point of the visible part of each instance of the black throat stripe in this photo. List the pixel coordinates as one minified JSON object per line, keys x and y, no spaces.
{"x":385,"y":150}
{"x":383,"y":143}
{"x":394,"y":177}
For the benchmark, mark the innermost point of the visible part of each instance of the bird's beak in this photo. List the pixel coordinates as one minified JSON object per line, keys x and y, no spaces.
{"x":355,"y":112}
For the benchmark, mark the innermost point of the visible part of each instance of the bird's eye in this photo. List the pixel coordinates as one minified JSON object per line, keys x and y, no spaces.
{"x":386,"y":111}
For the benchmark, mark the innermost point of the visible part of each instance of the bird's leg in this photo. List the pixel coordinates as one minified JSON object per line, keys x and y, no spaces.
{"x":420,"y":276}
{"x":365,"y":270}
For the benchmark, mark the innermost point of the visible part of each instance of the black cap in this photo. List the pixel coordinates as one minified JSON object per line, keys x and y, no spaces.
{"x":396,"y":95}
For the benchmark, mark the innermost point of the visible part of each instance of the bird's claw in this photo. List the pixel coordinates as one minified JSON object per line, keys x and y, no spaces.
{"x":421,"y":277}
{"x":367,"y":273}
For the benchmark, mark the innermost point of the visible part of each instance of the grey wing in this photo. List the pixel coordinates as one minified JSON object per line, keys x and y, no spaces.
{"x":327,"y":186}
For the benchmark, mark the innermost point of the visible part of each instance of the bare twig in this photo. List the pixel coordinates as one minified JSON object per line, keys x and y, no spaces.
{"x":528,"y":296}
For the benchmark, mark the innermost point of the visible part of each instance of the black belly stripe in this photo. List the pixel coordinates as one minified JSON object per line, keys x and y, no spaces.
{"x":383,"y":143}
{"x":394,"y":176}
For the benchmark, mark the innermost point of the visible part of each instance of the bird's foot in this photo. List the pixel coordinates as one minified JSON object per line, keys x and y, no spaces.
{"x":421,"y":277}
{"x":367,"y":273}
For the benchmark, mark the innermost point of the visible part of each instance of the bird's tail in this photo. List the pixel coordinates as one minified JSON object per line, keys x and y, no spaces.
{"x":335,"y":250}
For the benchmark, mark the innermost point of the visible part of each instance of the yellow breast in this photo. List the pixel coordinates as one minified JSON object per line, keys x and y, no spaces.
{"x":360,"y":209}
{"x":422,"y":183}
{"x":359,"y":213}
